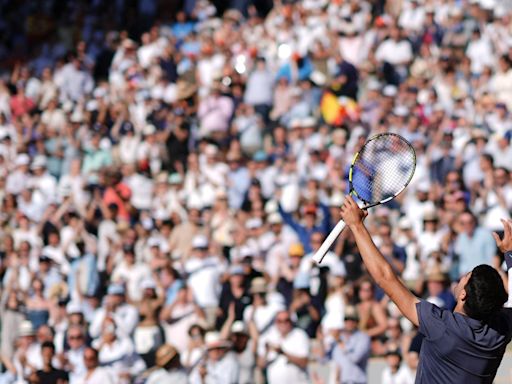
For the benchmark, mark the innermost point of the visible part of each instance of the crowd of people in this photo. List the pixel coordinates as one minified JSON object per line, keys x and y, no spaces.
{"x":167,"y":170}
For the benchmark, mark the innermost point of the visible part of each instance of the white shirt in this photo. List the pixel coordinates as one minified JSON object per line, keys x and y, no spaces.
{"x":203,"y":279}
{"x":125,"y":316}
{"x":133,"y":275}
{"x":16,"y":182}
{"x":481,"y":54}
{"x":100,"y":375}
{"x":225,"y":371}
{"x":76,"y":359}
{"x":280,"y":370}
{"x":393,"y":52}
{"x":163,"y":376}
{"x":402,"y":376}
{"x":57,"y":255}
{"x":128,"y":147}
{"x":119,"y":356}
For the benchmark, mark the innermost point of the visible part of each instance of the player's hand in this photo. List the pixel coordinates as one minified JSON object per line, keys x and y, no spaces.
{"x":351,"y":213}
{"x":504,"y":244}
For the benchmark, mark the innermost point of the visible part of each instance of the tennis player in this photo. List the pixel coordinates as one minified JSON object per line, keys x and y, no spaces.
{"x":463,"y":346}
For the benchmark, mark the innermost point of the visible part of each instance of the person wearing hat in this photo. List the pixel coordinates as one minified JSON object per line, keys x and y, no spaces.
{"x":27,"y":355}
{"x":352,"y":351}
{"x":203,"y":277}
{"x":289,"y":271}
{"x":18,"y":179}
{"x":41,"y":178}
{"x":243,"y":347}
{"x":284,"y":350}
{"x":125,"y":315}
{"x":220,"y":364}
{"x":438,"y":288}
{"x":168,"y":367}
{"x":261,"y":312}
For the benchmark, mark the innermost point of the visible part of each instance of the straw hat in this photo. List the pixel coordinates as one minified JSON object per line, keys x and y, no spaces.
{"x":185,"y":90}
{"x":26,"y":329}
{"x":214,"y":340}
{"x":436,"y":275}
{"x":258,"y":285}
{"x":164,"y":354}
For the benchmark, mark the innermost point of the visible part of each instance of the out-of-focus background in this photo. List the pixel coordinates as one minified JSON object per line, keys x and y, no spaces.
{"x":167,"y":169}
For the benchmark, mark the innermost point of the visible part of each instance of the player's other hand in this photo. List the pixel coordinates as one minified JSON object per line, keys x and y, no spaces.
{"x":351,"y":213}
{"x":504,"y":244}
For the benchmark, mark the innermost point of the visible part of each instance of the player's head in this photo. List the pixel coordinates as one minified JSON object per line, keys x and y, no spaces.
{"x":482,"y":292}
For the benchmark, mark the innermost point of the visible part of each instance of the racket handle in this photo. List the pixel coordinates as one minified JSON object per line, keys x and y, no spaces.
{"x":319,"y":255}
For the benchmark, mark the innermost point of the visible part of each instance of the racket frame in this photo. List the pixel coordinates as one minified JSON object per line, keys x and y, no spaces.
{"x":340,"y":226}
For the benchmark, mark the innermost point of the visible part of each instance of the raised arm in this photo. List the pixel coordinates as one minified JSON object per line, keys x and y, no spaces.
{"x":505,"y":246}
{"x":376,"y":264}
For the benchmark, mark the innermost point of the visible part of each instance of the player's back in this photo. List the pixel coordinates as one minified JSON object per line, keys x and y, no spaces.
{"x":459,"y":349}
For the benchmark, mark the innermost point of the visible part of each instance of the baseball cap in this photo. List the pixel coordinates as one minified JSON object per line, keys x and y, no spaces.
{"x":200,"y":242}
{"x":115,"y":289}
{"x":296,"y":250}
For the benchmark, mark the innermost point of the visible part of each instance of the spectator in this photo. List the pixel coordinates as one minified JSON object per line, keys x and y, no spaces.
{"x":220,"y":365}
{"x":170,"y":370}
{"x":474,"y":245}
{"x":284,"y":351}
{"x":352,"y":351}
{"x":95,"y":373}
{"x":126,"y":142}
{"x":49,"y":374}
{"x":395,"y":372}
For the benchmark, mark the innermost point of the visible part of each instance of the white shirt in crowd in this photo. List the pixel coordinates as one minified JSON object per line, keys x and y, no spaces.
{"x":132,"y":275}
{"x":403,"y":376}
{"x":125,"y":316}
{"x":280,"y":370}
{"x":204,"y":280}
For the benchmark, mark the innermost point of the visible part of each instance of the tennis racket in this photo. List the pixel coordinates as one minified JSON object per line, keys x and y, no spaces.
{"x":379,"y":172}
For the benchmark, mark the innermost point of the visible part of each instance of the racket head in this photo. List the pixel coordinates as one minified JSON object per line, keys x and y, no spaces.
{"x":382,"y":169}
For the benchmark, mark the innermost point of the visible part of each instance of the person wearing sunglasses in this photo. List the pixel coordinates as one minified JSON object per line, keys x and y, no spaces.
{"x":284,"y":351}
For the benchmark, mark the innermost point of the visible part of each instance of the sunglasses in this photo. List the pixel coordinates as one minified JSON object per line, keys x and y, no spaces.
{"x":282,"y":321}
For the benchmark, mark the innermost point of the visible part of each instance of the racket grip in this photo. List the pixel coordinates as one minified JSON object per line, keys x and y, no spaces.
{"x":319,"y":255}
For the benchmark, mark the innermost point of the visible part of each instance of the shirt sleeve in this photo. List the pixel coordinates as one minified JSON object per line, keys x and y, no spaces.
{"x":431,"y":320}
{"x":298,"y":345}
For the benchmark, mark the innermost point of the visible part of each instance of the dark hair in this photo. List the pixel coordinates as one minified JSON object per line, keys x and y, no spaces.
{"x":48,"y":344}
{"x":485,"y":293}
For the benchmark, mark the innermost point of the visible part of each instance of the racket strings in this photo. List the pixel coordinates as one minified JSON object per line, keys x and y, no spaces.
{"x":383,"y":168}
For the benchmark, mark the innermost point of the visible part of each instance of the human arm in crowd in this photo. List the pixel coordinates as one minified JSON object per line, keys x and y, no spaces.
{"x":226,"y":327}
{"x":358,"y":351}
{"x":301,"y":362}
{"x":379,"y":314}
{"x":325,"y":226}
{"x":288,"y":219}
{"x":505,"y":246}
{"x":381,"y":271}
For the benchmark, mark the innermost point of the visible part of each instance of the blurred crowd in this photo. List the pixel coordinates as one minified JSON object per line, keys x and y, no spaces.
{"x":167,"y":170}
